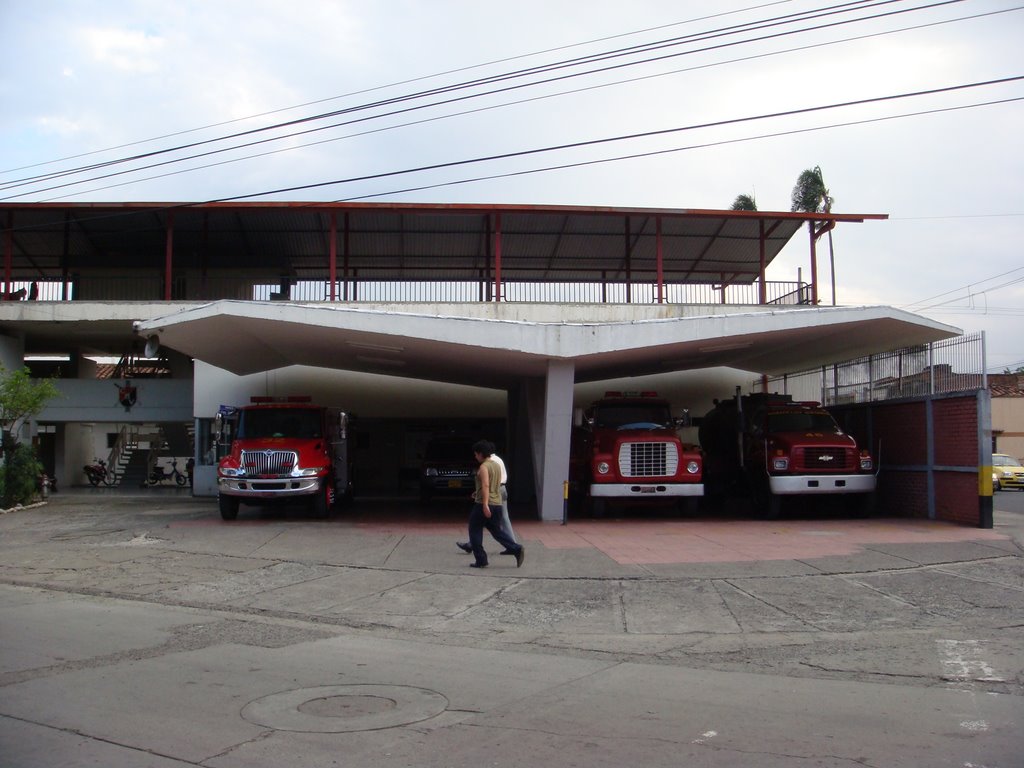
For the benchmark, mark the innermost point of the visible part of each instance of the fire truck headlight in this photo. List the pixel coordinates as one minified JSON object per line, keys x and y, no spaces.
{"x":602,"y":467}
{"x":780,"y":463}
{"x":309,"y":471}
{"x":232,"y":472}
{"x":692,"y":467}
{"x":866,"y":463}
{"x":430,"y":472}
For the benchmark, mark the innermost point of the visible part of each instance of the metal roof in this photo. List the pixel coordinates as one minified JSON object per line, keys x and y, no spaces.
{"x":387,"y":241}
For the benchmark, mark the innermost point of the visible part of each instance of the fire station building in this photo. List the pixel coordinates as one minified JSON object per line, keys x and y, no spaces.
{"x":482,"y":320}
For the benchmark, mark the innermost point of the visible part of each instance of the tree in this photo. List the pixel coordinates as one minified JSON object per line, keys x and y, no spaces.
{"x":810,"y":193}
{"x":812,"y":196}
{"x":744,"y":203}
{"x":21,"y":398}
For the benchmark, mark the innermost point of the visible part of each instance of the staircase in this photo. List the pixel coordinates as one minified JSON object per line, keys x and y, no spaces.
{"x":135,"y":469}
{"x":131,"y":464}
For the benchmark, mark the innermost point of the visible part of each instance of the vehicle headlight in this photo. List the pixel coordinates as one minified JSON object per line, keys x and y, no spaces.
{"x":430,"y":472}
{"x":232,"y":472}
{"x":309,"y":471}
{"x":780,"y":463}
{"x":692,"y":467}
{"x":866,"y":463}
{"x":1006,"y":473}
{"x":602,"y":468}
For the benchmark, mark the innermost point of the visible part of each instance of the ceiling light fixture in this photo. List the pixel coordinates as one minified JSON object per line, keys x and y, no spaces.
{"x":374,"y":347}
{"x":724,"y":347}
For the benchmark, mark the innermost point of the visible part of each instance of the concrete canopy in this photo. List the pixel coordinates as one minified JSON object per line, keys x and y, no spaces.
{"x":508,"y":347}
{"x":484,"y":347}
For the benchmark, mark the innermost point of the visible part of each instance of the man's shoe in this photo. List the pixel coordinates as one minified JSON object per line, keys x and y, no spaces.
{"x":478,"y":565}
{"x":507,"y":552}
{"x":464,"y":546}
{"x":520,"y":556}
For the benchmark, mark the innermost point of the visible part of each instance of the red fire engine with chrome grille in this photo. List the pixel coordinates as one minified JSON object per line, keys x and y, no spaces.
{"x":625,"y":446}
{"x":775,"y":446}
{"x":280,"y":449}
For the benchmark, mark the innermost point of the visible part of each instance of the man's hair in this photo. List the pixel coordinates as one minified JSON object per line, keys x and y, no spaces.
{"x":484,"y":447}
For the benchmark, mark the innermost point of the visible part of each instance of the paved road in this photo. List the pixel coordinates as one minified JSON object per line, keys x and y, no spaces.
{"x":143,"y":631}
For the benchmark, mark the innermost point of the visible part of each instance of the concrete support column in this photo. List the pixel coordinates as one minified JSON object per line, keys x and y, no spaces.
{"x":522,"y":482}
{"x":549,"y":402}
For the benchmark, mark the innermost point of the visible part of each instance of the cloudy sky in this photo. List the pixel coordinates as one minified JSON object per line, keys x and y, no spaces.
{"x":741,"y":94}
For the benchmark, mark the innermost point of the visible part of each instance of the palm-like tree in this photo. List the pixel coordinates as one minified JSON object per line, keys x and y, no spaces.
{"x":811,"y":196}
{"x":744,"y":203}
{"x":810,"y":193}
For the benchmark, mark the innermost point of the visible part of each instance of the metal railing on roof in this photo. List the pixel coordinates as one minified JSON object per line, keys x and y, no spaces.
{"x":941,"y":367}
{"x":240,"y":287}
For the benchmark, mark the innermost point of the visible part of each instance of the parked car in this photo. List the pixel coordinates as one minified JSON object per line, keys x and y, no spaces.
{"x":1007,"y":472}
{"x":447,"y":469}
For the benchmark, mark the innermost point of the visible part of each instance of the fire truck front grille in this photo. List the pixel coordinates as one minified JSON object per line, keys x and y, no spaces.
{"x":648,"y":459}
{"x":269,"y":462}
{"x":825,"y":459}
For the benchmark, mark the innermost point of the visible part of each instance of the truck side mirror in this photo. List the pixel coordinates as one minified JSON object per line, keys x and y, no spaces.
{"x":683,"y":420}
{"x":343,"y":424}
{"x":218,"y":426}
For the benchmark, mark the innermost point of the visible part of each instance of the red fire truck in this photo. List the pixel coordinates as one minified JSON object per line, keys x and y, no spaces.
{"x":774,"y":447}
{"x":282,"y":449}
{"x":625,"y":448}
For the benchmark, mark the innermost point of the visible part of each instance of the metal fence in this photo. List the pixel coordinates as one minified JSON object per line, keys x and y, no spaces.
{"x":952,"y":365}
{"x":455,"y":290}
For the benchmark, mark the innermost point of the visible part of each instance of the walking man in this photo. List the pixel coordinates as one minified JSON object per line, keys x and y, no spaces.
{"x":506,"y":523}
{"x":486,"y":512}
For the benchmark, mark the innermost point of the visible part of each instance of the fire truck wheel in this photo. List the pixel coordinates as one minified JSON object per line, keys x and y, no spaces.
{"x":689,"y":507}
{"x":319,"y":505}
{"x":862,"y":504}
{"x":228,"y":507}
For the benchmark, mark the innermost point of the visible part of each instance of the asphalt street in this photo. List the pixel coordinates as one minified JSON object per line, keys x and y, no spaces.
{"x":138,"y":629}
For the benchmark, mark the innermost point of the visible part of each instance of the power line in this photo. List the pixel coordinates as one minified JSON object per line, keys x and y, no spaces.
{"x":460,"y":113}
{"x":408,"y":81}
{"x":448,"y":89}
{"x":646,"y":135}
{"x":179,"y":206}
{"x":966,"y":288}
{"x":654,"y":153}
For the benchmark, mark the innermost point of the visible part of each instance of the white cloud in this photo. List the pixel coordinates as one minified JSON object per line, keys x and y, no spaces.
{"x":127,"y":50}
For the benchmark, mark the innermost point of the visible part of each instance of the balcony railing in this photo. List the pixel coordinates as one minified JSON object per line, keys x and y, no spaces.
{"x":150,"y":288}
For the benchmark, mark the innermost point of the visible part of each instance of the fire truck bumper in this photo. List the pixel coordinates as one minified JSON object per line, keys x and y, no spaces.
{"x":248,"y":488}
{"x":796,"y":485}
{"x":645,"y":490}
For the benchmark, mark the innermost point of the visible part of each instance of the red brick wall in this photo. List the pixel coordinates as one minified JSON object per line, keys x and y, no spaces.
{"x":956,"y":432}
{"x":899,"y":432}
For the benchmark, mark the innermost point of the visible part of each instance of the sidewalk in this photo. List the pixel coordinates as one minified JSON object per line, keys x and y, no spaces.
{"x":145,"y":631}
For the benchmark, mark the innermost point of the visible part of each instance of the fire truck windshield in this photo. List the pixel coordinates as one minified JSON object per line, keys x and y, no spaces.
{"x":279,"y":422}
{"x":630,"y":416}
{"x":802,"y":421}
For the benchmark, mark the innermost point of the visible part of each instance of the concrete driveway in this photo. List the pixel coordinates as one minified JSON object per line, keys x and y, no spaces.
{"x":141,"y":630}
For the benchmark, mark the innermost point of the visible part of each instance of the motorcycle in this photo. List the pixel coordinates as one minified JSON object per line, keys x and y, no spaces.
{"x":158,"y":474}
{"x":98,"y":473}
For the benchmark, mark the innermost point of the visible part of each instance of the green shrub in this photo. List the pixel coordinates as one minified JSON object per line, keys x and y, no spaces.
{"x":19,"y":480}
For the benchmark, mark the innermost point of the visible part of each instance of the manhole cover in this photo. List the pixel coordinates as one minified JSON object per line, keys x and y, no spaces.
{"x":344,"y":708}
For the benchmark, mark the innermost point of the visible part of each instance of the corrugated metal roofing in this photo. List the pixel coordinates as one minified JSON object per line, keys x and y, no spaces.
{"x":401,"y":242}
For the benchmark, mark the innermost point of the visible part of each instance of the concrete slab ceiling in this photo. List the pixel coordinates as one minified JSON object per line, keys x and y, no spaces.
{"x":442,"y":345}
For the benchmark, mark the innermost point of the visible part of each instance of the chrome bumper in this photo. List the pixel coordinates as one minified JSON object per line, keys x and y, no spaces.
{"x":797,"y":485}
{"x":645,"y":490}
{"x":279,"y":488}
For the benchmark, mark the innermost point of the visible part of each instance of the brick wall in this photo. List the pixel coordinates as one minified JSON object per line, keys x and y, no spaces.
{"x":898,"y":433}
